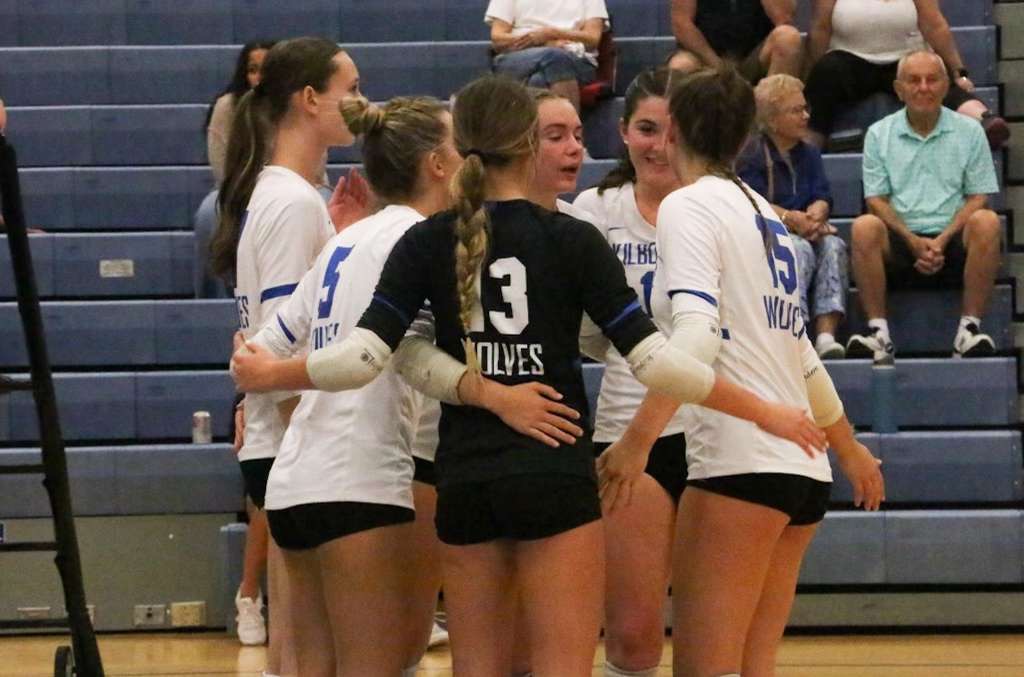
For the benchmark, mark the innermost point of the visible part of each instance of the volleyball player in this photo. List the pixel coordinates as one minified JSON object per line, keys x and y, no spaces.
{"x":624,"y":207}
{"x":273,"y":223}
{"x":508,"y":283}
{"x":726,"y":286}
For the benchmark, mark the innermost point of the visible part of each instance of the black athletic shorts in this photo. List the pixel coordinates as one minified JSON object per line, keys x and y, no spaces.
{"x":254,"y":475}
{"x":424,"y":471}
{"x":803,"y":499}
{"x":666,"y":464}
{"x":310,"y":525}
{"x":901,"y":274}
{"x":518,"y":507}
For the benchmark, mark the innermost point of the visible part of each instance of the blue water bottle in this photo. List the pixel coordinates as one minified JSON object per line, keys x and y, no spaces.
{"x":883,"y":399}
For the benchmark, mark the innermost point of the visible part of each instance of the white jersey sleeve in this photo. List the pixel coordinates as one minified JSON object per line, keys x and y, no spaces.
{"x":290,"y":331}
{"x":693,"y":272}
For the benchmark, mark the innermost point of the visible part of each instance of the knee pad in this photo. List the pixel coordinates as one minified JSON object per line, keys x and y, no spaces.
{"x":611,"y":670}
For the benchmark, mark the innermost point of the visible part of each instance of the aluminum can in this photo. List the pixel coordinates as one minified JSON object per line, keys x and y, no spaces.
{"x":201,"y":430}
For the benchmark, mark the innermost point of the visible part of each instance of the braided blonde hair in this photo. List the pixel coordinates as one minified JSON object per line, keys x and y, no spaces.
{"x":495,"y":122}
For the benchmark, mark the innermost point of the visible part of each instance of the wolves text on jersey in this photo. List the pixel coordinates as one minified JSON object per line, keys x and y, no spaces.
{"x":498,"y":358}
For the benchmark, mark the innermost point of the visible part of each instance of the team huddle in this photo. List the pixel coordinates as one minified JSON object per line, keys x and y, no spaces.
{"x":415,"y":413}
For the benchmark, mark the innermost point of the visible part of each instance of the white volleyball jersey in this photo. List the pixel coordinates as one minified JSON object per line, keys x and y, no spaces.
{"x":633,"y":240}
{"x":283,"y":230}
{"x":352,"y":445}
{"x":712,"y":255}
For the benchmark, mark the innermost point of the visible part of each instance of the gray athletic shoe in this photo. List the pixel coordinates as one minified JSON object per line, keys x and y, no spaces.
{"x":871,"y":345}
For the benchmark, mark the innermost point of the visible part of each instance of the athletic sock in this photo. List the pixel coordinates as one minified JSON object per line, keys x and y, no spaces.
{"x":882,"y":325}
{"x":615,"y":671}
{"x":824,"y":338}
{"x":969,"y":319}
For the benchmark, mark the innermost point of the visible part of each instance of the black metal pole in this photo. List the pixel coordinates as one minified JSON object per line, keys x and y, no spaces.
{"x":87,"y":655}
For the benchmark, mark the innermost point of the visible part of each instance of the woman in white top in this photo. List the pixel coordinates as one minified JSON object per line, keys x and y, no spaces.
{"x":726,"y":287}
{"x":855,"y":46}
{"x":273,"y":224}
{"x":624,"y":207}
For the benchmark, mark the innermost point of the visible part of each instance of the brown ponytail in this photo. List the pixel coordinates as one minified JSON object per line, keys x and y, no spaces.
{"x":289,"y":67}
{"x":495,"y":123}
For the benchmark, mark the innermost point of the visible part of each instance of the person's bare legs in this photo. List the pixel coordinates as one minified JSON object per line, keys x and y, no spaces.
{"x":313,"y":640}
{"x":723,"y":553}
{"x":568,"y":89}
{"x":982,"y":236}
{"x":425,"y":566}
{"x":281,"y":645}
{"x":367,"y":584}
{"x":255,"y":558}
{"x":776,"y":602}
{"x":828,"y":322}
{"x":561,"y":579}
{"x":480,"y":597}
{"x":638,"y":546}
{"x":782,"y":51}
{"x":870,"y":249}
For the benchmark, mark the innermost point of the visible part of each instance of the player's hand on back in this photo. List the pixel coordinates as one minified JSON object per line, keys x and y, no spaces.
{"x":351,"y":201}
{"x":532,"y":409}
{"x":250,"y":368}
{"x":793,"y":424}
{"x":618,"y":468}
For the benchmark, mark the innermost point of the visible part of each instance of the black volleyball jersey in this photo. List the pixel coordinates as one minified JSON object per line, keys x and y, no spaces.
{"x":541,"y":272}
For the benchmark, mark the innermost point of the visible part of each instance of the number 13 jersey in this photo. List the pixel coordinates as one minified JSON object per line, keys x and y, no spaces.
{"x":541,"y":272}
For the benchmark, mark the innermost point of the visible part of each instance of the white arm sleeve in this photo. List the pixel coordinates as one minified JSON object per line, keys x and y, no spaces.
{"x":821,"y":392}
{"x":429,"y":369}
{"x":348,"y":364}
{"x":593,"y":343}
{"x":661,"y":366}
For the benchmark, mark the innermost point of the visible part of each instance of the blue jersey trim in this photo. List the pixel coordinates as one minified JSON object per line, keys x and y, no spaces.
{"x":284,"y":328}
{"x":628,"y":310}
{"x":277,"y":292}
{"x":699,"y":294}
{"x":380,"y":299}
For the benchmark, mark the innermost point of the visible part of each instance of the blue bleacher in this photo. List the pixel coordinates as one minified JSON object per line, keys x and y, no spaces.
{"x":132,"y":480}
{"x":83,"y":22}
{"x":184,"y":22}
{"x":848,"y":548}
{"x":126,"y":406}
{"x":263,"y":19}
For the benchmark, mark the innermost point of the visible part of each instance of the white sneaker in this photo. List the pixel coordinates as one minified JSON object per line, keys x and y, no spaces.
{"x":438,"y":636}
{"x":831,"y":350}
{"x":252,"y":629}
{"x":874,"y":345}
{"x":970,"y":342}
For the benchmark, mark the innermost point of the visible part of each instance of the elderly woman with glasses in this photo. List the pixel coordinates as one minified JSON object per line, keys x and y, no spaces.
{"x":779,"y":165}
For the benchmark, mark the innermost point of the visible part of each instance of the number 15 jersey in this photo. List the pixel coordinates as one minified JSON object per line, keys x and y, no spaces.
{"x":541,"y":272}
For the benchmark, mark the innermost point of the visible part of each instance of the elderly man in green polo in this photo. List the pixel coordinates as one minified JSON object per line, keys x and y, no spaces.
{"x":927,"y":176}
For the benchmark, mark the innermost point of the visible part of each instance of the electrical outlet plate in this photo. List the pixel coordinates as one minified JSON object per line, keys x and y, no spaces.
{"x":33,"y":612}
{"x":150,"y":615}
{"x":188,"y":614}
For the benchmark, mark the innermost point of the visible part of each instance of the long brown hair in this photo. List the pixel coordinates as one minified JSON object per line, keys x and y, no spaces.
{"x":495,"y":123}
{"x":651,"y":82}
{"x":289,"y":67}
{"x":396,"y":136}
{"x":713,"y":110}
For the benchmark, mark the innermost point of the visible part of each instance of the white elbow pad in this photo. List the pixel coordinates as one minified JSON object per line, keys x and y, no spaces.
{"x":697,"y":334}
{"x":821,"y":393}
{"x":349,"y":364}
{"x":429,"y":369}
{"x":663,"y":367}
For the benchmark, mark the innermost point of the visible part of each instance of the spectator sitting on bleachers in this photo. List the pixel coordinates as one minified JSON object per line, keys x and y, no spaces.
{"x":549,"y":44}
{"x":757,"y":34}
{"x":221,"y":113}
{"x":790,"y":174}
{"x":927,"y":176}
{"x":853,"y":50}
